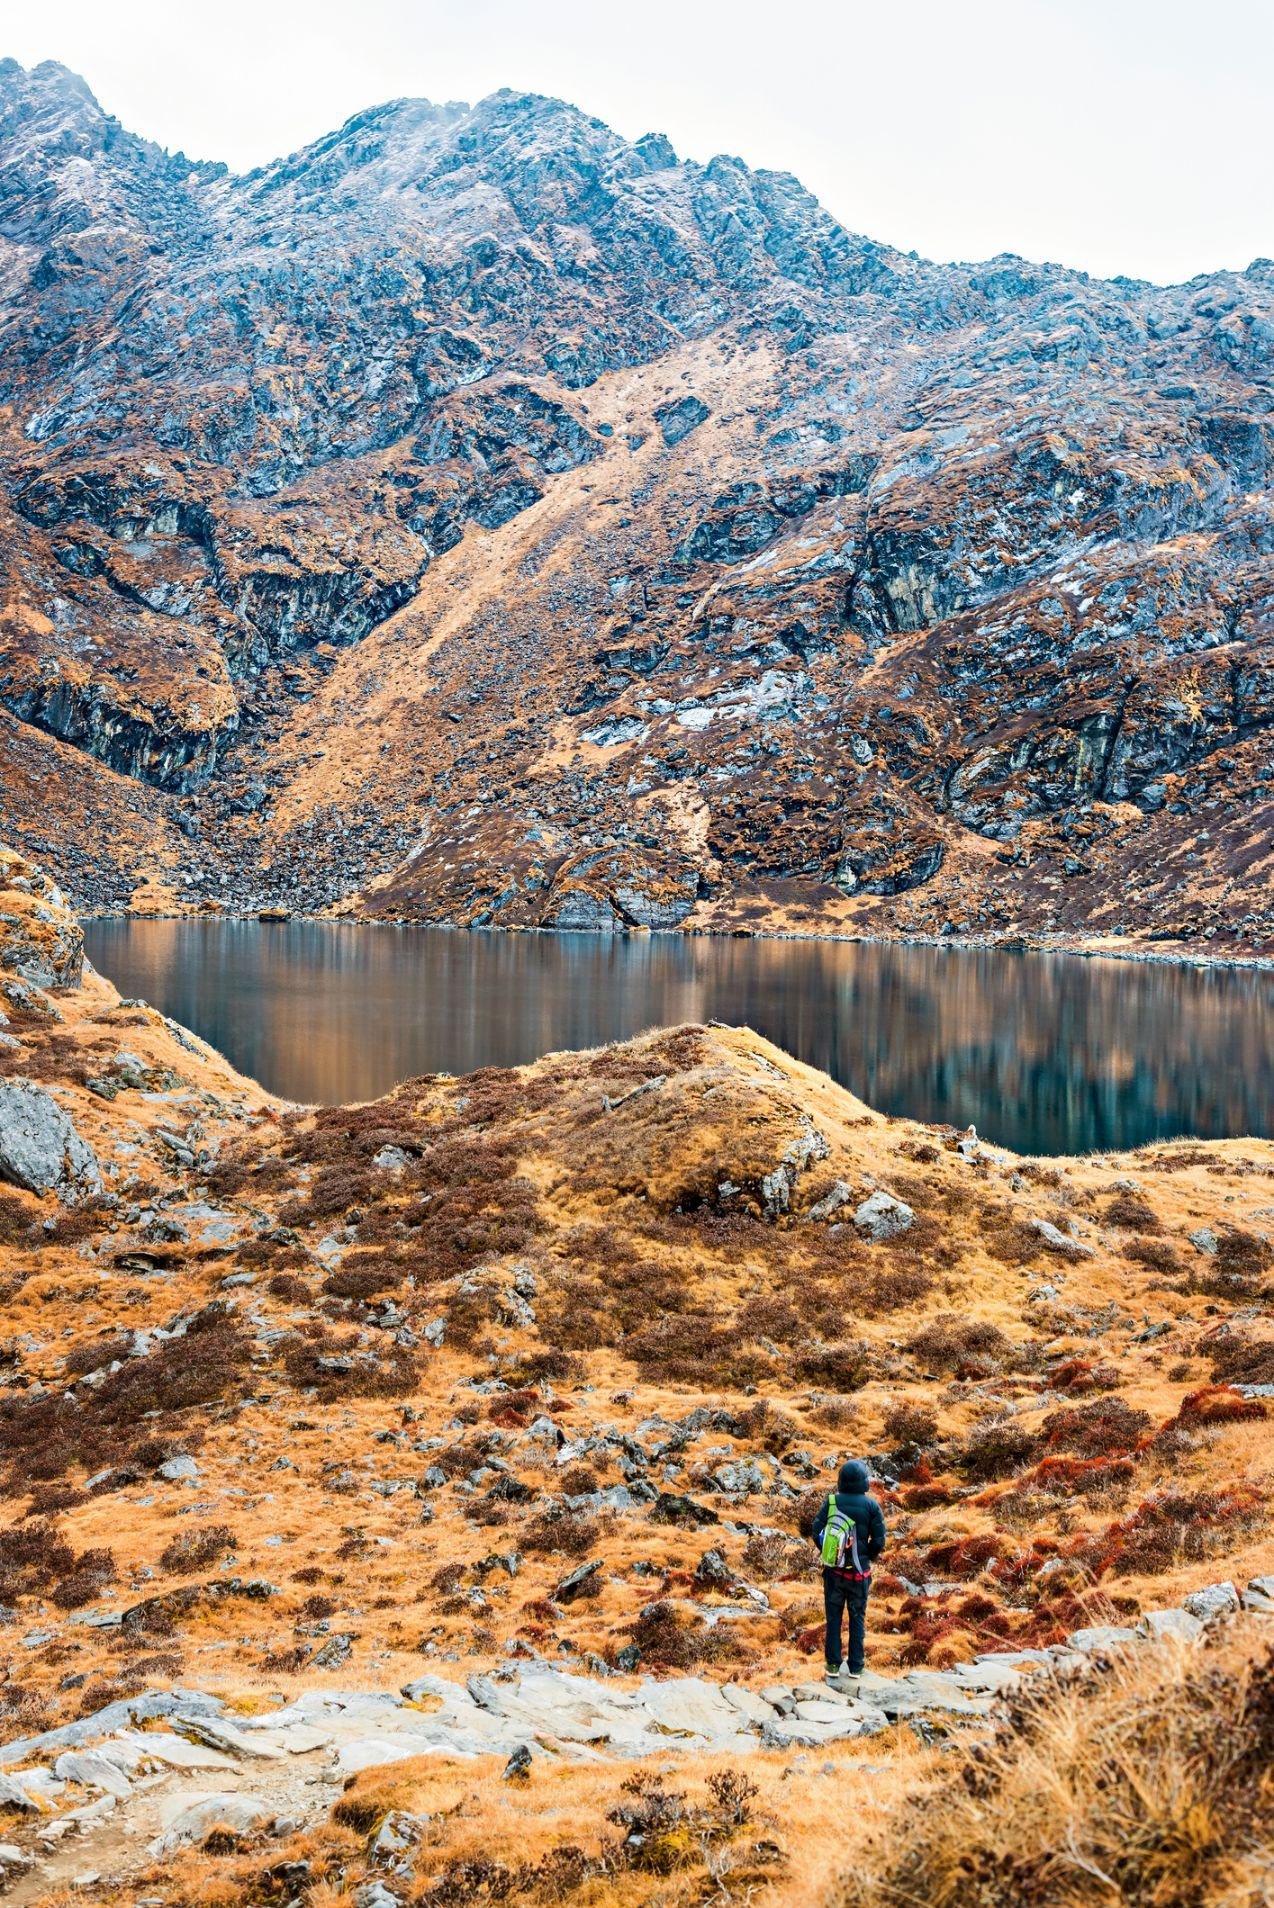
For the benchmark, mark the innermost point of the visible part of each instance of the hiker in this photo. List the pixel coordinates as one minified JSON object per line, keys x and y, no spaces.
{"x":850,"y":1533}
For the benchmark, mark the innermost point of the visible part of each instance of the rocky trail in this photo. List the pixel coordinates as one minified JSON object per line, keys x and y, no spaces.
{"x":145,"y":1777}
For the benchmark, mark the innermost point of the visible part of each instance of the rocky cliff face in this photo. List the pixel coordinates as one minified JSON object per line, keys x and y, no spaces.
{"x":476,"y":516}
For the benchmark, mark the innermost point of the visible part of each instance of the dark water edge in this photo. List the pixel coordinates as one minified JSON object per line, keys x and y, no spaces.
{"x":1046,"y":1053}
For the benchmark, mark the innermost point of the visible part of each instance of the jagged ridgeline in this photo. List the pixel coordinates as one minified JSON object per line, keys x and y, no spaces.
{"x":499,"y":521}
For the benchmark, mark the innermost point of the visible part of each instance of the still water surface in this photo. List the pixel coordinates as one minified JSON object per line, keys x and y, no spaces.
{"x":1045,"y":1053}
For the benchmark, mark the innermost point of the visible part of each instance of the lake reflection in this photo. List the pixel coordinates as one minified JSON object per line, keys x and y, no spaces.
{"x":1044,"y":1052}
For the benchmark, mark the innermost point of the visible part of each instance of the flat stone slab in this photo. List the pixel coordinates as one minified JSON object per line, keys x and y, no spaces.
{"x":214,"y":1732}
{"x":748,"y":1703}
{"x":685,"y":1706}
{"x":93,"y":1770}
{"x":174,"y":1752}
{"x":296,"y":1739}
{"x":375,"y":1752}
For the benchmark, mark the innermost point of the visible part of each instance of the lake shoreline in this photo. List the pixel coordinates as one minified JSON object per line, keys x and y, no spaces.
{"x":1178,"y":955}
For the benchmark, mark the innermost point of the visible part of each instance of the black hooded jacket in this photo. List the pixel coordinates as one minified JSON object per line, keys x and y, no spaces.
{"x":852,"y":1498}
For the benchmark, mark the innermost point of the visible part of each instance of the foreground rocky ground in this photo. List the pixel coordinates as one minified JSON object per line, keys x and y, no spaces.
{"x":481,"y":1425}
{"x":479,"y":517}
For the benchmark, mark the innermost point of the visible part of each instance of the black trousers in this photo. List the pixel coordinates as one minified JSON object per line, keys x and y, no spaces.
{"x":841,"y":1595}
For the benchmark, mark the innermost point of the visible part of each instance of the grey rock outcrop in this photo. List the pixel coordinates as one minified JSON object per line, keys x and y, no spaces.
{"x":881,"y":1216}
{"x":40,"y":1149}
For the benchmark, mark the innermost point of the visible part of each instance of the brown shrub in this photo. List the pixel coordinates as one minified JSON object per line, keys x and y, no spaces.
{"x":1242,"y":1361}
{"x":94,"y":1354}
{"x":244,"y":1166}
{"x":669,"y":1639}
{"x":561,"y":1532}
{"x":1105,"y":1428}
{"x":693,"y":1348}
{"x":910,"y":1425}
{"x":41,"y":1436}
{"x":895,"y":1289}
{"x":765,"y":1424}
{"x":1219,"y":1404}
{"x":1155,"y":1253}
{"x":1171,"y":1528}
{"x":33,"y":1555}
{"x":1242,"y":1259}
{"x":770,"y":1557}
{"x":19,"y":1221}
{"x":194,"y":1550}
{"x":846,"y":1367}
{"x":362,"y":1276}
{"x":286,"y":1286}
{"x":1131,"y":1214}
{"x":1012,"y":1242}
{"x":951,"y":1341}
{"x":534,"y":1367}
{"x":996,"y":1448}
{"x":965,"y":1557}
{"x":93,"y":1570}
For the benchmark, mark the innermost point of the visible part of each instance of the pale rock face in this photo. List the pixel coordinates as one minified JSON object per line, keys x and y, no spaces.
{"x":40,"y":1149}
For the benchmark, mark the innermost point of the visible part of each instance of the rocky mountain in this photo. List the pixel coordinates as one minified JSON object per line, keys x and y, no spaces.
{"x":393,"y":1495}
{"x":479,"y":517}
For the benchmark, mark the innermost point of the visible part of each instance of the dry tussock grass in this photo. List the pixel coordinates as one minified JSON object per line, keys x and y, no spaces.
{"x":1147,"y":1782}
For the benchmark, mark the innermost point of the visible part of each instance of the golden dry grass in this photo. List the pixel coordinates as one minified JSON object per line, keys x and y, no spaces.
{"x":1149,"y":1781}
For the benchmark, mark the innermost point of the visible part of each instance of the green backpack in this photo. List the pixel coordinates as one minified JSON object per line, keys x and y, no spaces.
{"x":840,"y":1540}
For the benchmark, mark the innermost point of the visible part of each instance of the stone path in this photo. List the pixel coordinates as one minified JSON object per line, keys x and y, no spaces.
{"x":152,"y":1773}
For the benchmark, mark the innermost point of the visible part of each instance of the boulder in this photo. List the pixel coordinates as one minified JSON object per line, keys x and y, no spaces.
{"x":1101,"y":1636}
{"x":679,"y":416}
{"x":14,"y":1796}
{"x":240,"y":1814}
{"x":1060,"y":1242}
{"x":40,"y":1149}
{"x":688,"y":1706}
{"x":742,"y":1477}
{"x":374,"y":1894}
{"x":93,"y":1769}
{"x":176,"y":1470}
{"x":1214,"y":1600}
{"x":149,"y":1706}
{"x":1158,"y":1624}
{"x":830,"y":1204}
{"x":881,"y":1216}
{"x":399,"y":1832}
{"x":578,"y":1582}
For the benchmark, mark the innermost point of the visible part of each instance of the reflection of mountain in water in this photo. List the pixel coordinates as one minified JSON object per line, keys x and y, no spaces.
{"x":1049,"y":1053}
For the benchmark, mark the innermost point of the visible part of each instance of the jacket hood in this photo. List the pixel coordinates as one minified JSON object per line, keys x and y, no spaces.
{"x":853,"y":1478}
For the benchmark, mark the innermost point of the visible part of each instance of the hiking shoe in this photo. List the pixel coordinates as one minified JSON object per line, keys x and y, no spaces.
{"x":833,"y":1676}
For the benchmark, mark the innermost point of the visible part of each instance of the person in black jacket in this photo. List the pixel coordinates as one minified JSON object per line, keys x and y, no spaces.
{"x":848,"y":1589}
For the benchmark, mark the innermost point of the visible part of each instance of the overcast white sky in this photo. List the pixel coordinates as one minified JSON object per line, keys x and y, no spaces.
{"x":1115,"y":135}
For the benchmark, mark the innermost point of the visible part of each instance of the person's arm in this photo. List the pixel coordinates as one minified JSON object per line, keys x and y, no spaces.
{"x":876,"y":1534}
{"x":820,"y":1525}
